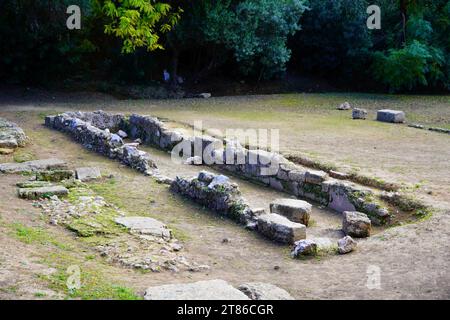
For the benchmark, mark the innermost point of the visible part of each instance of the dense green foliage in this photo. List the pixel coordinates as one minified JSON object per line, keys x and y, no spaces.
{"x":334,"y":40}
{"x":134,"y":40}
{"x":32,"y":40}
{"x":421,"y":56}
{"x":137,"y":22}
{"x":253,"y":32}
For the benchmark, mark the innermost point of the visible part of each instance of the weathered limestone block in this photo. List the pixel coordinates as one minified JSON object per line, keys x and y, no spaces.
{"x":358,"y":113}
{"x":201,"y":290}
{"x":356,"y":224}
{"x":339,"y":196}
{"x":394,"y":116}
{"x":32,"y":166}
{"x":147,"y":128}
{"x":42,"y":192}
{"x":294,"y":210}
{"x":54,"y":175}
{"x":346,"y":245}
{"x":344,"y":106}
{"x":264,"y":291}
{"x":88,"y":173}
{"x":11,"y":135}
{"x":146,"y":226}
{"x":297,"y":176}
{"x":315,"y":176}
{"x":280,"y":229}
{"x":304,"y":247}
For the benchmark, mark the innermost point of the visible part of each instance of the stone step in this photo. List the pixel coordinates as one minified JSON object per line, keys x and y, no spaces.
{"x":356,"y":224}
{"x":201,"y":290}
{"x":294,"y":210}
{"x":280,"y":229}
{"x":32,"y":166}
{"x":42,"y":192}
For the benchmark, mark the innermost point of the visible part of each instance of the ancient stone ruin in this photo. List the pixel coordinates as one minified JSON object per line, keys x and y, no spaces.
{"x":394,"y":116}
{"x":11,"y":136}
{"x":288,"y":218}
{"x":82,"y":127}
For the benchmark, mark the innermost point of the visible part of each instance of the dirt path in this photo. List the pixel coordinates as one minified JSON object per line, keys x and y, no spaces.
{"x":412,"y":259}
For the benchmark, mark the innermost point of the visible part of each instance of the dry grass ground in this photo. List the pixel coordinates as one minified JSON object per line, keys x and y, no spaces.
{"x":412,"y":258}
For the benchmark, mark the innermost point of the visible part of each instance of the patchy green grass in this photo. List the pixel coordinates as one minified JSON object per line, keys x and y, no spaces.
{"x":94,"y":283}
{"x":32,"y":235}
{"x":23,"y":156}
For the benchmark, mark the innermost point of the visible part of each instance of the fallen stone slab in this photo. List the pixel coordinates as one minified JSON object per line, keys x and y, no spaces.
{"x":88,"y":173}
{"x":264,"y":291}
{"x":280,"y":229}
{"x":32,"y":166}
{"x":346,"y":245}
{"x":394,"y":116}
{"x":145,"y":226}
{"x":42,"y":192}
{"x":294,"y":210}
{"x":201,"y":290}
{"x":358,"y":113}
{"x":356,"y":224}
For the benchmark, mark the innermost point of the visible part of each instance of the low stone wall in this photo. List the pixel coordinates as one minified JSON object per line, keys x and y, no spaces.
{"x":216,"y":193}
{"x":270,"y":169}
{"x":284,"y":176}
{"x":101,"y":140}
{"x":100,"y":119}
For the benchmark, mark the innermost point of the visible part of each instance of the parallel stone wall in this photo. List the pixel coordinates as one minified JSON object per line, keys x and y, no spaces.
{"x":270,"y":169}
{"x":101,"y":140}
{"x":286,"y":176}
{"x":217,"y":193}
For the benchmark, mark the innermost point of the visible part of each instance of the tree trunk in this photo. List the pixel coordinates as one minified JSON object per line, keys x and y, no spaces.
{"x":404,"y":16}
{"x":174,"y":67}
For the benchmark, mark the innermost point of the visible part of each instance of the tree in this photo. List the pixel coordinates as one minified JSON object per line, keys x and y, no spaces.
{"x":334,"y":40}
{"x":35,"y":42}
{"x":138,"y":23}
{"x":421,"y":56}
{"x":253,"y":32}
